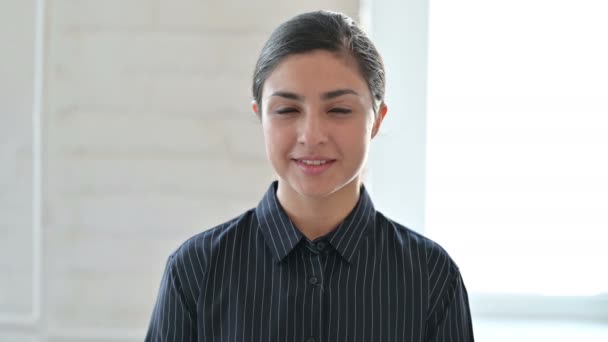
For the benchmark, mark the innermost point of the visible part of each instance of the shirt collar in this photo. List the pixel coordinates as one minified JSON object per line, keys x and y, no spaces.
{"x":280,"y":233}
{"x":349,"y":234}
{"x":282,"y":236}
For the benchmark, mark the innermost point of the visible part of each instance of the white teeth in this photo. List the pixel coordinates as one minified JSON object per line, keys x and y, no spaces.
{"x":313,"y":162}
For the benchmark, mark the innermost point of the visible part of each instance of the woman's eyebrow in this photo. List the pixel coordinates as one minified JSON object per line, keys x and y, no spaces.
{"x":336,"y":93}
{"x":288,"y":95}
{"x":325,"y":96}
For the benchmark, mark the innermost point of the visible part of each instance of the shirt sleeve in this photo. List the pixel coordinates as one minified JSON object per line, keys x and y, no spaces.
{"x":450,"y":321}
{"x":172,"y":320}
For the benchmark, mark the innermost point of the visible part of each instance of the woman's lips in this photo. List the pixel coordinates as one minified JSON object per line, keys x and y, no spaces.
{"x":314,"y":166}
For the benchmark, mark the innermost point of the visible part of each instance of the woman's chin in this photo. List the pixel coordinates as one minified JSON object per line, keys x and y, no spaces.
{"x":315,"y":189}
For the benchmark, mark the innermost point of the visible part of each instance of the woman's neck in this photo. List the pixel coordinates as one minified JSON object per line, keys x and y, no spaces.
{"x":315,"y":217}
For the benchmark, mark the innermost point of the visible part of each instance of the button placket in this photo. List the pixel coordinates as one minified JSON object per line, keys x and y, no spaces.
{"x":315,"y":282}
{"x":316,"y":277}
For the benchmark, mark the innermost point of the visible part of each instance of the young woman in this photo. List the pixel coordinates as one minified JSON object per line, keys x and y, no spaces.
{"x":314,"y":261}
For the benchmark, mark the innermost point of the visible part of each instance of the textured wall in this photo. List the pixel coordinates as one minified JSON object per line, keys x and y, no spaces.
{"x":16,"y":132}
{"x":147,"y":139}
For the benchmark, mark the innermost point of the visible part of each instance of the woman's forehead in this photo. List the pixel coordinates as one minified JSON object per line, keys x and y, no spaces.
{"x":315,"y":72}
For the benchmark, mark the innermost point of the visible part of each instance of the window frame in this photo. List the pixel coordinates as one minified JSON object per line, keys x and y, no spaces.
{"x":405,"y":59}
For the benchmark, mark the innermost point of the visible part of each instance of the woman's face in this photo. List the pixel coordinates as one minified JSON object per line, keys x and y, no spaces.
{"x":318,"y":121}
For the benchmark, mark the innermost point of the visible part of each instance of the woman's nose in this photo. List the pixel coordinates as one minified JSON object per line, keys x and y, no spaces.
{"x":312,"y":130}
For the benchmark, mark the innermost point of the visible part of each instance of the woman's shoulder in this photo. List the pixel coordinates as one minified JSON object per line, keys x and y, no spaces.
{"x":203,"y":245}
{"x":431,"y":251}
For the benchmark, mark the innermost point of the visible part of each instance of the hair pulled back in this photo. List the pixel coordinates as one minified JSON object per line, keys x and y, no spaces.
{"x":321,"y":30}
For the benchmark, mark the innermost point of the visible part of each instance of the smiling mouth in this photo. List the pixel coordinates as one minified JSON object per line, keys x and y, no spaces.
{"x":314,"y":162}
{"x":314,"y":166}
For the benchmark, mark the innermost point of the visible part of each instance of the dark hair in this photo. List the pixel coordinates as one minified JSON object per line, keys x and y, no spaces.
{"x":321,"y":30}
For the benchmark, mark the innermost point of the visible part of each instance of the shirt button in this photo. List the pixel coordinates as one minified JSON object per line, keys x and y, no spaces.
{"x":314,"y":281}
{"x":321,"y":245}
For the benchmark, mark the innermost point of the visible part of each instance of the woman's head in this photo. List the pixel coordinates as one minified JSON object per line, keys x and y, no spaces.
{"x":322,"y":30}
{"x":319,"y":88}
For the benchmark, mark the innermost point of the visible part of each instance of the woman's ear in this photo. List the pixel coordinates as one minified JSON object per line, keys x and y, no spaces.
{"x":255,"y":108}
{"x":378,"y":121}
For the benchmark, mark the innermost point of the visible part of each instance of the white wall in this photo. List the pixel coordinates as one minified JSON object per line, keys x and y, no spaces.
{"x":17,"y":36}
{"x":398,"y":158}
{"x":147,"y":139}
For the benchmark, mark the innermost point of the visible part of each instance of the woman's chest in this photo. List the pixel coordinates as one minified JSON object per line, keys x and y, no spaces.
{"x":317,"y":297}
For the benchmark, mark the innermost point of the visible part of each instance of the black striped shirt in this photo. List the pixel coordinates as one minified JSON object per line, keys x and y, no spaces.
{"x":257,"y":278}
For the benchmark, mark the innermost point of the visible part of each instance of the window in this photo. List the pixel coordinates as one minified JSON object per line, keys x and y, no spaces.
{"x":513,"y":145}
{"x":517,"y":144}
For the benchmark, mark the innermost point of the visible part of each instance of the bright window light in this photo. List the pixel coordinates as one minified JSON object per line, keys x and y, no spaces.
{"x":517,"y":152}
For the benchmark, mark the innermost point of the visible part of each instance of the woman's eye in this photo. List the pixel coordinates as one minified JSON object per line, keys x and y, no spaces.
{"x":340,"y":110}
{"x":285,"y":110}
